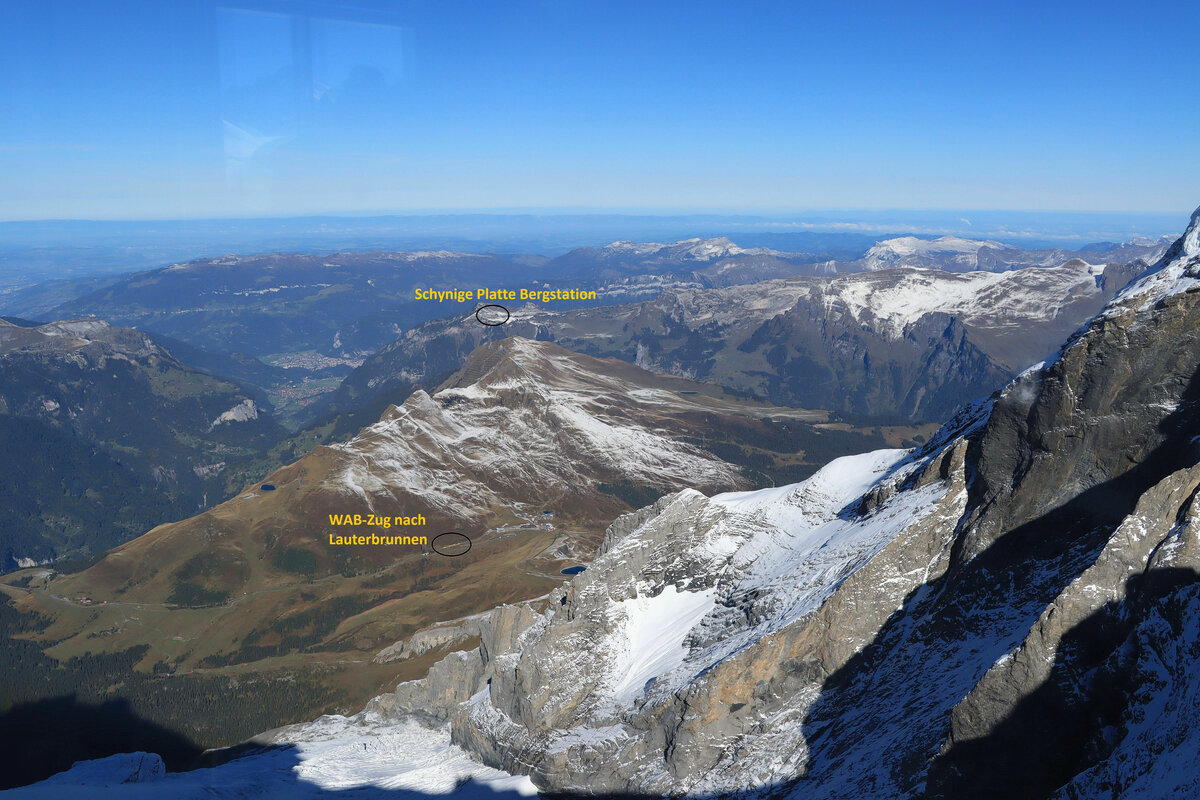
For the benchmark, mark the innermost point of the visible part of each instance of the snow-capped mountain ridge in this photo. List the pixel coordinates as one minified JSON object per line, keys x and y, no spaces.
{"x":557,"y":415}
{"x":1177,"y":271}
{"x":974,"y":297}
{"x":957,"y":254}
{"x":911,"y":251}
{"x":694,"y":249}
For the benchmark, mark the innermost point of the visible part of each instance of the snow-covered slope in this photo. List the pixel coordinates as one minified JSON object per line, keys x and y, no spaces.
{"x":955,"y":254}
{"x":525,"y":419}
{"x":1177,"y":273}
{"x":687,"y":603}
{"x":357,"y":757}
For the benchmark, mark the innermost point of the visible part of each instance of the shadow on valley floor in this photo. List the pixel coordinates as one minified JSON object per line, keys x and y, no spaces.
{"x":870,"y":727}
{"x":265,"y":773}
{"x":41,"y":738}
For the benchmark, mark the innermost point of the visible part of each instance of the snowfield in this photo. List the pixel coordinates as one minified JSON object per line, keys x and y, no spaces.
{"x":353,"y":757}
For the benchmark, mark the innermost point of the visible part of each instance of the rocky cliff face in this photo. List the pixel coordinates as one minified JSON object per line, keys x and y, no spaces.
{"x":1013,"y":611}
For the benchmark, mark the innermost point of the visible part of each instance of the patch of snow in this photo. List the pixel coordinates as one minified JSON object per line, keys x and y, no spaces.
{"x":823,"y":494}
{"x":115,"y":770}
{"x":82,"y":328}
{"x":631,"y":248}
{"x":651,"y":640}
{"x":355,"y":757}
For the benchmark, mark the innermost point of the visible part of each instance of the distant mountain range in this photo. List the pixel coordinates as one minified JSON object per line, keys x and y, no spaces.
{"x":33,"y":252}
{"x":293,"y":325}
{"x":289,"y":330}
{"x":955,"y":254}
{"x":901,"y":343}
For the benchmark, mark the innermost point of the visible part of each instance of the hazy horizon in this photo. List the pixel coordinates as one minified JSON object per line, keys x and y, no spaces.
{"x":41,"y":250}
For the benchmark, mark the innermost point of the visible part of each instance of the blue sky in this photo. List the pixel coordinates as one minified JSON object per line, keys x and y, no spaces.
{"x":188,"y":108}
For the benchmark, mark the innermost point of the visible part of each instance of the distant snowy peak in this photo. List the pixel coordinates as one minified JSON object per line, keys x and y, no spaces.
{"x":1176,"y":272}
{"x":694,"y":249}
{"x":909,"y":251}
{"x":712,"y":249}
{"x":978,"y":298}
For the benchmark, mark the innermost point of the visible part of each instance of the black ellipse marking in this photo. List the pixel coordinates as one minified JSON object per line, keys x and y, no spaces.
{"x":507,"y":315}
{"x":448,"y":547}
